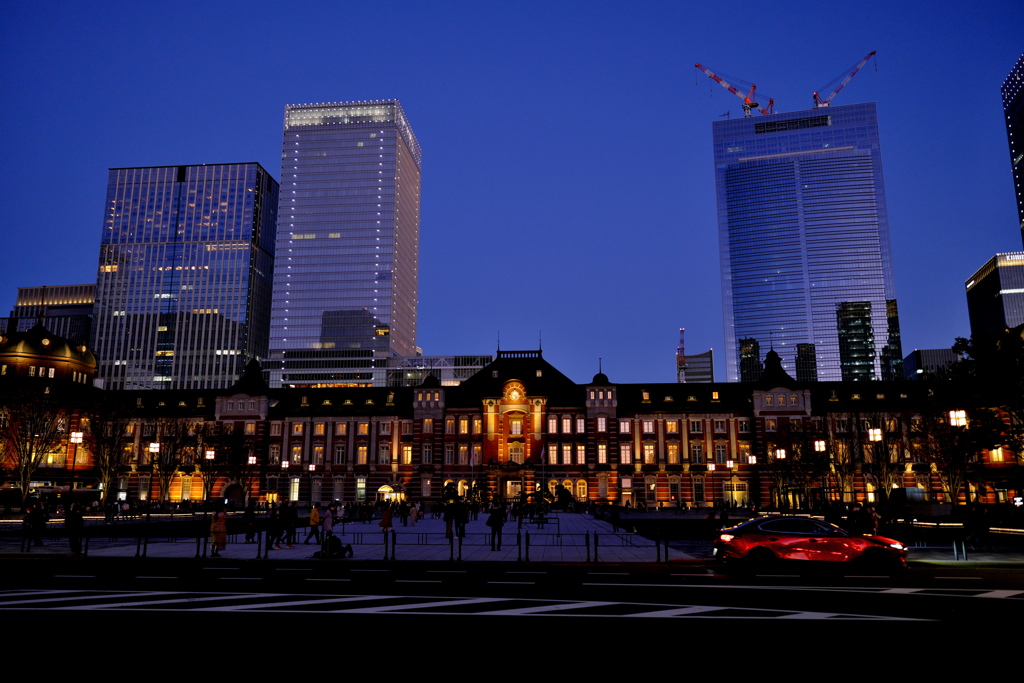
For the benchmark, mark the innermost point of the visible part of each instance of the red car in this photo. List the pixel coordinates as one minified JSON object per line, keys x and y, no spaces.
{"x":761,"y":543}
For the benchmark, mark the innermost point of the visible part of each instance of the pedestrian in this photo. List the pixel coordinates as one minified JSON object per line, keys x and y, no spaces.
{"x":385,"y":519}
{"x":35,"y":520}
{"x":495,"y":521}
{"x":314,"y":525}
{"x":74,"y":524}
{"x":219,"y":531}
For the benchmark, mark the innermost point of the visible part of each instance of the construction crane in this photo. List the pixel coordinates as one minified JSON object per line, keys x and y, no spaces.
{"x":748,"y":100}
{"x":819,"y":102}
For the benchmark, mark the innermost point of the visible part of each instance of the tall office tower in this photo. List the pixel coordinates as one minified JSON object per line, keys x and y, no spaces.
{"x":185,"y":273}
{"x":804,"y":241}
{"x":347,"y":266}
{"x":66,"y":308}
{"x":694,"y":368}
{"x":1013,"y":109}
{"x":995,"y":295}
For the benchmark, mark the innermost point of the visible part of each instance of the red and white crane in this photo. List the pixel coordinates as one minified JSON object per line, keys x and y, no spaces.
{"x":748,"y":100}
{"x":819,"y":102}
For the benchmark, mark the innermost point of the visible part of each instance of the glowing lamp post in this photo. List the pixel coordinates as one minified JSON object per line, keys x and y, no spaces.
{"x":76,"y":438}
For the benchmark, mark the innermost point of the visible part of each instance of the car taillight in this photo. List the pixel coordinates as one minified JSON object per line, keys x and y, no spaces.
{"x":726,"y":537}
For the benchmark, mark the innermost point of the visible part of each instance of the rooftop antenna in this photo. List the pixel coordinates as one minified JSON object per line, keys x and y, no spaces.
{"x":499,"y":340}
{"x":600,"y":368}
{"x":540,"y":340}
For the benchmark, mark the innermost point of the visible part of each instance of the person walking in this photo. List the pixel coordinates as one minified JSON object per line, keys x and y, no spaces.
{"x":314,"y":525}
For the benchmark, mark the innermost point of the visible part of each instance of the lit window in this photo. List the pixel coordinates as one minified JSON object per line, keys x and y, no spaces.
{"x":625,"y":453}
{"x":602,"y":453}
{"x":958,"y":418}
{"x":463,"y":425}
{"x":566,"y":425}
{"x":364,"y":428}
{"x":250,"y":428}
{"x":770,"y":425}
{"x":320,"y":428}
{"x":672,"y":426}
{"x":297,"y":429}
{"x":428,"y":425}
{"x":478,"y":425}
{"x":673,"y":454}
{"x":340,"y":428}
{"x":648,"y":453}
{"x":515,"y":426}
{"x":602,"y":424}
{"x":648,"y":426}
{"x":581,"y":425}
{"x":552,"y":424}
{"x":623,"y":426}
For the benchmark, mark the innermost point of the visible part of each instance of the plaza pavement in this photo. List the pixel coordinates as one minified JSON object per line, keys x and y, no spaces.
{"x":564,"y":538}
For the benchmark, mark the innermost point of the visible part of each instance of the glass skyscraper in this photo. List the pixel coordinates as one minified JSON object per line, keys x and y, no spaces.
{"x":185,"y":274}
{"x":804,"y":243}
{"x":347,"y":265}
{"x":1013,"y":109}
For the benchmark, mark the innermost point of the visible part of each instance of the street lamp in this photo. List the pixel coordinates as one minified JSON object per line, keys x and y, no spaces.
{"x":874,"y":434}
{"x":819,"y":446}
{"x":76,"y":438}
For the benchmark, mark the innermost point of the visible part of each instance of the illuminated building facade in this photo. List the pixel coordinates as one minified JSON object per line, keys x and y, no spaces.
{"x":995,"y":295}
{"x":519,"y":425}
{"x":67,"y":310}
{"x":804,"y":243}
{"x":347,"y":264}
{"x":185,"y":275}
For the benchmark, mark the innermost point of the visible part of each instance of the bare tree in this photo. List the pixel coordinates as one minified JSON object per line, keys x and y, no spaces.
{"x":110,"y":441}
{"x":31,"y":427}
{"x":176,"y":450}
{"x":954,"y":441}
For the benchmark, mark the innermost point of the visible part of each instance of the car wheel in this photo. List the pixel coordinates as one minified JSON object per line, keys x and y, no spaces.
{"x":760,"y":560}
{"x":877,"y":560}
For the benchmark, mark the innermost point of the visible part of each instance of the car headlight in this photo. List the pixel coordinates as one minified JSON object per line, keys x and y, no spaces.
{"x":897,"y":546}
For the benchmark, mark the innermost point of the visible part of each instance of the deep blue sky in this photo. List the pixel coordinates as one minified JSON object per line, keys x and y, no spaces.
{"x":568,"y":185}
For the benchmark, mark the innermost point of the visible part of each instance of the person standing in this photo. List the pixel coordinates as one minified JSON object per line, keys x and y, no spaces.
{"x":496,"y":520}
{"x":74,"y":524}
{"x":219,"y":531}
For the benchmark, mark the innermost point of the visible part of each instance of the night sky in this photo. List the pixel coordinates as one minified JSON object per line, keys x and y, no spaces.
{"x":568,"y":181}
